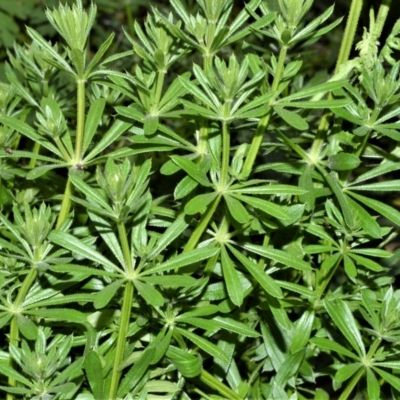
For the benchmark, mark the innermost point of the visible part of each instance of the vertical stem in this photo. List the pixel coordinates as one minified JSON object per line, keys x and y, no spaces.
{"x":121,"y":342}
{"x":263,"y":124}
{"x":201,"y":227}
{"x":128,"y":12}
{"x":80,"y":120}
{"x":226,"y":150}
{"x":123,"y":238}
{"x":344,"y":53}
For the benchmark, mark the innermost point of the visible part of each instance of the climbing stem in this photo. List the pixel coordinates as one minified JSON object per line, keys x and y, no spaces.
{"x":121,"y":342}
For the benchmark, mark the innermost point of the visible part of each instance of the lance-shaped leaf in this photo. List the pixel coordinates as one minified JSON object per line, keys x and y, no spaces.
{"x":105,"y":295}
{"x":93,"y":369}
{"x":264,"y":205}
{"x":199,"y":203}
{"x":149,"y":293}
{"x":343,"y":162}
{"x":204,"y":344}
{"x":265,"y":280}
{"x":92,"y":122}
{"x":236,"y":209}
{"x":232,"y":325}
{"x":302,"y":331}
{"x":232,"y":279}
{"x":188,"y":364}
{"x":60,"y":314}
{"x":192,"y":169}
{"x":75,"y":245}
{"x":344,"y":320}
{"x":183,"y":259}
{"x":279,"y":256}
{"x":292,"y":119}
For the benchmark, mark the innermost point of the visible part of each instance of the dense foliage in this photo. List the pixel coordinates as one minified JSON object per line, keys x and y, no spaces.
{"x":207,"y":212}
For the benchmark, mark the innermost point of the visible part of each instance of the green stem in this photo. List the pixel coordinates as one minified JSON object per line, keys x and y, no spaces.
{"x":80,"y":120}
{"x":65,"y":205}
{"x":123,"y":238}
{"x":263,"y":124}
{"x":381,"y":18}
{"x":128,"y":12}
{"x":202,"y":225}
{"x":344,"y":53}
{"x":351,"y":385}
{"x":35,"y":150}
{"x":226,"y":150}
{"x":324,"y":279}
{"x":121,"y":342}
{"x":215,"y":384}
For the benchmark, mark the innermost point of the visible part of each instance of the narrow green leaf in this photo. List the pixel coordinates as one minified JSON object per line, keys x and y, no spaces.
{"x":77,"y":246}
{"x":373,"y":386}
{"x":94,"y":368}
{"x":276,"y":189}
{"x":183,"y":259}
{"x":289,"y":368}
{"x":236,"y":209}
{"x":192,"y":169}
{"x":231,"y":277}
{"x":389,"y":212}
{"x":184,"y":187}
{"x":188,"y":364}
{"x":105,"y":295}
{"x":385,"y":186}
{"x":279,"y":256}
{"x":92,"y":122}
{"x":235,"y":326}
{"x":265,"y":280}
{"x":27,"y":327}
{"x":266,"y":206}
{"x":133,"y":376}
{"x":149,"y":293}
{"x":366,"y":262}
{"x":347,"y":371}
{"x":292,"y":119}
{"x":343,"y":162}
{"x":341,"y":315}
{"x":389,"y":378}
{"x":10,"y":372}
{"x":330,"y":345}
{"x":199,"y":203}
{"x":99,"y":54}
{"x":60,"y":314}
{"x":170,"y":281}
{"x":204,"y":344}
{"x":302,"y":331}
{"x":367,"y":222}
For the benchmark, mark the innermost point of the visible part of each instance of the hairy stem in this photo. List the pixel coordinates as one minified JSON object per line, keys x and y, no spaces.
{"x":215,"y":384}
{"x":80,"y":120}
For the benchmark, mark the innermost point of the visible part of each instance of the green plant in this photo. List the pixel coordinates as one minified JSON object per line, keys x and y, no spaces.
{"x":209,"y":229}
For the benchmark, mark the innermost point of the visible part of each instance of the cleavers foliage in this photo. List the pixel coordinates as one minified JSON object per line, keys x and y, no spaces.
{"x":211,"y":222}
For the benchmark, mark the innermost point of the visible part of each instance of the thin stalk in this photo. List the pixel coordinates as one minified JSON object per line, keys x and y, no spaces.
{"x":202,"y":225}
{"x":344,"y":53}
{"x":80,"y":128}
{"x":263,"y":124}
{"x":351,"y":385}
{"x":215,"y":384}
{"x":123,"y":238}
{"x":226,"y":150}
{"x":121,"y":342}
{"x":128,"y":12}
{"x":80,"y":120}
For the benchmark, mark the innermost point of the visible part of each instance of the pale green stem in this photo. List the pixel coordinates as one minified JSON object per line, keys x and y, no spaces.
{"x":202,"y":225}
{"x":263,"y":124}
{"x":344,"y":53}
{"x":218,"y":386}
{"x":381,"y":18}
{"x":121,"y":342}
{"x":351,"y":385}
{"x":80,"y":128}
{"x":80,"y":120}
{"x":123,"y":238}
{"x":128,"y":12}
{"x":226,"y":150}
